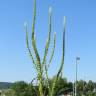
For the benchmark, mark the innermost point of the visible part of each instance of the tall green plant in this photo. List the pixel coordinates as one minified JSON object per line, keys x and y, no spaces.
{"x":41,"y":66}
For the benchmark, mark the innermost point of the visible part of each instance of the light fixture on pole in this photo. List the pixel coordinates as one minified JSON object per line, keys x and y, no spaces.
{"x":77,"y":59}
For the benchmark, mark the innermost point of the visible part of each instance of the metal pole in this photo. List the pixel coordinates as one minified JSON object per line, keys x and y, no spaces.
{"x":77,"y":59}
{"x":76,"y":79}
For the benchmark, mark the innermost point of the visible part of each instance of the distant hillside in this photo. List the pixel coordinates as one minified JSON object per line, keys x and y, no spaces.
{"x":5,"y":85}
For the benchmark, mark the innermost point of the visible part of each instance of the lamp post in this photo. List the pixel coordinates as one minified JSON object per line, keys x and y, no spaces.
{"x":77,"y":59}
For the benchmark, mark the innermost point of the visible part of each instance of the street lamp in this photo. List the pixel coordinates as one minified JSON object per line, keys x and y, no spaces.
{"x":77,"y":59}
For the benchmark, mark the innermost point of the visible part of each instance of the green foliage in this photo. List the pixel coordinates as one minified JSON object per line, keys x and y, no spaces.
{"x":90,"y":86}
{"x":21,"y":88}
{"x":86,"y":88}
{"x":41,"y":66}
{"x":60,"y":84}
{"x":9,"y":92}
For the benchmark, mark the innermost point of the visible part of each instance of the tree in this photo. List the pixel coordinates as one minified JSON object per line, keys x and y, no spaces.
{"x":90,"y":86}
{"x":62,"y":85}
{"x":21,"y":88}
{"x":81,"y":85}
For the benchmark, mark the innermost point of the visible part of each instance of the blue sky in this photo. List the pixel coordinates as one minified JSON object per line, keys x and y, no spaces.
{"x":15,"y":63}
